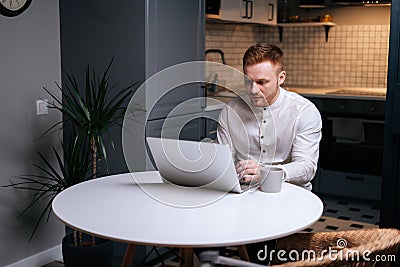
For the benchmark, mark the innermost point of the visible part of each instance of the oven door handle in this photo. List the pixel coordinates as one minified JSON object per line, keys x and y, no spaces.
{"x":355,"y":178}
{"x":364,"y":121}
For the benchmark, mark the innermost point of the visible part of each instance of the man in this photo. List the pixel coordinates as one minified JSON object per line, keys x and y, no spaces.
{"x":271,"y":126}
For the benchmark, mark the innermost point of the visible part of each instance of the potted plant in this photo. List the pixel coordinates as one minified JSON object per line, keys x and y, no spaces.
{"x":72,"y":167}
{"x":88,"y":114}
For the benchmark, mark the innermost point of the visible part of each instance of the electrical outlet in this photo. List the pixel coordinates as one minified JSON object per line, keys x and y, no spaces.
{"x":41,"y":107}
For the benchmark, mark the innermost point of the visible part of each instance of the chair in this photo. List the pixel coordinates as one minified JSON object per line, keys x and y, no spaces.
{"x":342,"y":248}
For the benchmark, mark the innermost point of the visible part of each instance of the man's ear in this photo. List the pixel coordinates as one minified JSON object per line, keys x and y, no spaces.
{"x":281,"y":77}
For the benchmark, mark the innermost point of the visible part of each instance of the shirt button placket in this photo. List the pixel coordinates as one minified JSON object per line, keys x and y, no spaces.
{"x":267,"y":134}
{"x":263,"y":137}
{"x":262,"y":143}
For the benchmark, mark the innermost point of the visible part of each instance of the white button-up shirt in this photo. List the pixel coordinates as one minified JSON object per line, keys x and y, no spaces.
{"x":286,"y":133}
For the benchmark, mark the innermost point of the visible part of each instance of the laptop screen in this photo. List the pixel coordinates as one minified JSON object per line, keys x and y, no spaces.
{"x":194,"y":164}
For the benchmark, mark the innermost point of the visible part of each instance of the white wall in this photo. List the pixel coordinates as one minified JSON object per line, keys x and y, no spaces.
{"x":29,"y":60}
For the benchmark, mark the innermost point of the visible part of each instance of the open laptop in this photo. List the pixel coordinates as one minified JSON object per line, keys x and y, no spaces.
{"x":196,"y":164}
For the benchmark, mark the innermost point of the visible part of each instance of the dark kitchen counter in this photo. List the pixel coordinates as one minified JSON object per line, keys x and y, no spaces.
{"x":349,"y":101}
{"x":356,"y":93}
{"x":343,"y":100}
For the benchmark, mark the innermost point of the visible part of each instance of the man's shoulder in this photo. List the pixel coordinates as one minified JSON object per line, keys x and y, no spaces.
{"x":295,"y":97}
{"x":298,"y":100}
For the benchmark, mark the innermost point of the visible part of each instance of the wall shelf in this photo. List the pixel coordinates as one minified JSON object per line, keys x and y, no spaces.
{"x":327,"y":26}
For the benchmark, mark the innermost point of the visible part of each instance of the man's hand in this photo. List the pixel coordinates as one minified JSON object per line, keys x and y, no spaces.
{"x":248,"y":170}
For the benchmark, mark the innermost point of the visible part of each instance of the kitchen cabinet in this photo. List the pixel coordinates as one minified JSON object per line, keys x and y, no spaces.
{"x":180,"y":127}
{"x":192,"y":128}
{"x":361,"y":186}
{"x":249,"y":11}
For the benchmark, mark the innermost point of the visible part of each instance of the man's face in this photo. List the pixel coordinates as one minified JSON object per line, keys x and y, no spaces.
{"x":262,"y":83}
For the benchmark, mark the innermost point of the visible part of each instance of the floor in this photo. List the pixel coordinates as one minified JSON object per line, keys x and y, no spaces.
{"x":346,"y":214}
{"x":339,"y":214}
{"x":54,"y":264}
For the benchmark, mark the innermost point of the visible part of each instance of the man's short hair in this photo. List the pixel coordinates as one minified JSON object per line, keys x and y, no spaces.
{"x":259,"y":53}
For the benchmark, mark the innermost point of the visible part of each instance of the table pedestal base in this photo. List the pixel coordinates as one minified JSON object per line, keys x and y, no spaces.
{"x":186,"y":259}
{"x":186,"y":255}
{"x":130,"y":251}
{"x":243,"y":253}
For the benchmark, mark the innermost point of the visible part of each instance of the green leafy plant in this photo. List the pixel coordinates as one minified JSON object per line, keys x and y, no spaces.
{"x":93,"y":112}
{"x":73,"y":168}
{"x":88,"y":113}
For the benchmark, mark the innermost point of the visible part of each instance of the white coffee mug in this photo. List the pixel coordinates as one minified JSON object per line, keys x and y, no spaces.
{"x":271,"y":179}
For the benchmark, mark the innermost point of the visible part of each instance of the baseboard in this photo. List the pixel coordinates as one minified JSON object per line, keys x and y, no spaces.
{"x":40,"y":259}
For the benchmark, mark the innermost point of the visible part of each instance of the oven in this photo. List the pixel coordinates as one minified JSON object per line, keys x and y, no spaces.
{"x":351,"y":148}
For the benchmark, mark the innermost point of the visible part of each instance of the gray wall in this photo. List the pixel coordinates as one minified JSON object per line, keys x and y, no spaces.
{"x":30,"y":59}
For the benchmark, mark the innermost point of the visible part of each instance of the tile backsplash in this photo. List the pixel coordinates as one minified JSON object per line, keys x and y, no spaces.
{"x":354,"y":56}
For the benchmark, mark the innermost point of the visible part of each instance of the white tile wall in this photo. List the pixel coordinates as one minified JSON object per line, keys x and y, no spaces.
{"x":354,"y":56}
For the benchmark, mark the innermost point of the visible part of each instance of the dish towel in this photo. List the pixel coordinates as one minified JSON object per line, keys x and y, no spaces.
{"x":348,"y":130}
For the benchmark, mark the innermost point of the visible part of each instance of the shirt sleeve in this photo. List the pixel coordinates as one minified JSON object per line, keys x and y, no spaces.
{"x":223,"y":135}
{"x":305,"y":149}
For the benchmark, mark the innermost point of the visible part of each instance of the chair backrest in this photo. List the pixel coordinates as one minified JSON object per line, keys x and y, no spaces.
{"x":367,"y":247}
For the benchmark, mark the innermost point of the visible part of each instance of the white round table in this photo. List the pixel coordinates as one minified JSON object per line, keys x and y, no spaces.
{"x":137,"y":208}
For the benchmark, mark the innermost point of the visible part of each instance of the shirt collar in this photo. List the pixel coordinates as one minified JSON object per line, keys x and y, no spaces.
{"x":276,"y":104}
